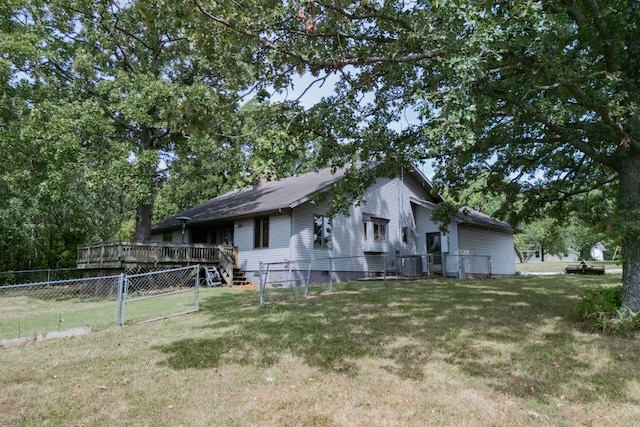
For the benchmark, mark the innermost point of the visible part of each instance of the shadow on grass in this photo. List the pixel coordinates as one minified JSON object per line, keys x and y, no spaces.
{"x":515,"y":333}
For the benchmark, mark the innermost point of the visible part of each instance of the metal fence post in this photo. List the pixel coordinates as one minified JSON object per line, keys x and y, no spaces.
{"x":306,"y":285}
{"x":119,"y":321}
{"x":197,"y":305}
{"x":261,"y":283}
{"x":330,"y":274}
{"x":444,"y":267}
{"x":384,"y":268}
{"x":125,"y":297}
{"x":490,"y":267}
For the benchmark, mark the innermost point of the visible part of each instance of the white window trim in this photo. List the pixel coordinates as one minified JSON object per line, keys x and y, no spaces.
{"x":370,"y":222}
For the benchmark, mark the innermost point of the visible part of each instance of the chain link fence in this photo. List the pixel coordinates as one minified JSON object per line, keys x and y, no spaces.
{"x":39,"y":276}
{"x":284,"y":280}
{"x":159,"y":294}
{"x":31,"y":309}
{"x":291,"y":279}
{"x":456,"y":266}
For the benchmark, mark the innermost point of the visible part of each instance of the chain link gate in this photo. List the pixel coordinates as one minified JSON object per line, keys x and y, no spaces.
{"x":284,"y":280}
{"x":156,"y":295}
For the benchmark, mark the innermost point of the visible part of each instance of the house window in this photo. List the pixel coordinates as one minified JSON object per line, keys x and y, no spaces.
{"x":322,"y":231}
{"x":379,"y":231}
{"x":261,"y":232}
{"x":167,"y":236}
{"x":434,"y":247}
{"x":375,"y":229}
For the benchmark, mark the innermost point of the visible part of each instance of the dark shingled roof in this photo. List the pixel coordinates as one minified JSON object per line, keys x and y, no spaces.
{"x":268,"y":197}
{"x":271,"y":196}
{"x":475,"y":218}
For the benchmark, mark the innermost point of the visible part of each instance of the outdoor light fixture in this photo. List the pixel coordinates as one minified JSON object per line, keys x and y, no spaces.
{"x":184,"y":220}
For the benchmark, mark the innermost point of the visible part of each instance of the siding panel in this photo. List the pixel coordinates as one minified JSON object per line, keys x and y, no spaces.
{"x":486,"y":242}
{"x":278,"y":250}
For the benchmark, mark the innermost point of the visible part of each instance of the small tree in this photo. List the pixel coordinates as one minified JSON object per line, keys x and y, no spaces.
{"x":545,"y":236}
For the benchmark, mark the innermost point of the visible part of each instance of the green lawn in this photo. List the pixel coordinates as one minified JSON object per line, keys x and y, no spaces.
{"x":474,"y":353}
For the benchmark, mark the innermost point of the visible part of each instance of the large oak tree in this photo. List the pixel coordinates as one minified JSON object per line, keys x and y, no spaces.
{"x":542,"y":97}
{"x":132,"y":70}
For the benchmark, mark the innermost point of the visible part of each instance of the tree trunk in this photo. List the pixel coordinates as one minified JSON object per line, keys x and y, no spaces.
{"x":630,"y":206}
{"x":585,"y":253}
{"x":148,"y":169}
{"x":519,"y":254}
{"x":144,"y":214}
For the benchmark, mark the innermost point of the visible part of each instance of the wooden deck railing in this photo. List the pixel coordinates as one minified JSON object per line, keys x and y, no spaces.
{"x":126,"y":254}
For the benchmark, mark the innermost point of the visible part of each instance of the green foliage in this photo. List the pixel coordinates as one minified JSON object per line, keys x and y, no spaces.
{"x":107,"y":108}
{"x":545,"y":235}
{"x":601,"y":308}
{"x":599,"y":300}
{"x":124,"y":86}
{"x":443,"y":214}
{"x":259,"y":142}
{"x":538,"y":99}
{"x":583,"y":236}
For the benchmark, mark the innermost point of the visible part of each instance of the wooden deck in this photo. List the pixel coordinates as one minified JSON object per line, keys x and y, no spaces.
{"x":122,"y":256}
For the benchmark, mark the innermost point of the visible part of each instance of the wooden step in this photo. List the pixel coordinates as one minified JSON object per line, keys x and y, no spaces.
{"x":239,"y":278}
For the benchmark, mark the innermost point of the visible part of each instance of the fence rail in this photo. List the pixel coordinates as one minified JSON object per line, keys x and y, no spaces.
{"x":461,"y":266}
{"x":37,"y":276}
{"x":29,"y":309}
{"x":292,"y":277}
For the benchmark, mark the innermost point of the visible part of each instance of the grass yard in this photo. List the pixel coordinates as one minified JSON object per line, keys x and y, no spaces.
{"x":439,"y":353}
{"x":23,"y":316}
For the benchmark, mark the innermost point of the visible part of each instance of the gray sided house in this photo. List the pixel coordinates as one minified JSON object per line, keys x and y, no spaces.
{"x":391,"y":231}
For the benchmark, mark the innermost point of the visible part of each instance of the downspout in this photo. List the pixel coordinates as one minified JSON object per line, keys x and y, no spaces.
{"x":291,"y":234}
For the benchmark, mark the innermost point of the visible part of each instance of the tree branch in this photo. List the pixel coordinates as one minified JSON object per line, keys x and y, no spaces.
{"x":373,"y":15}
{"x":549,"y":124}
{"x":322,"y":64}
{"x":607,"y":40}
{"x":566,"y":195}
{"x":607,"y":118}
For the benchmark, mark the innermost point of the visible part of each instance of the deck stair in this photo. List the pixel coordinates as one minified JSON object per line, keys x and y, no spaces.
{"x":239,"y":278}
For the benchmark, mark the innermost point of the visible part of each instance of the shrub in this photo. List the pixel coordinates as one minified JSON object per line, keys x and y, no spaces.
{"x":601,"y":308}
{"x":599,"y":300}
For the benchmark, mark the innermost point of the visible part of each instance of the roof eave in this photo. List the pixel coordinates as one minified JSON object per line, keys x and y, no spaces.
{"x":503,"y":229}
